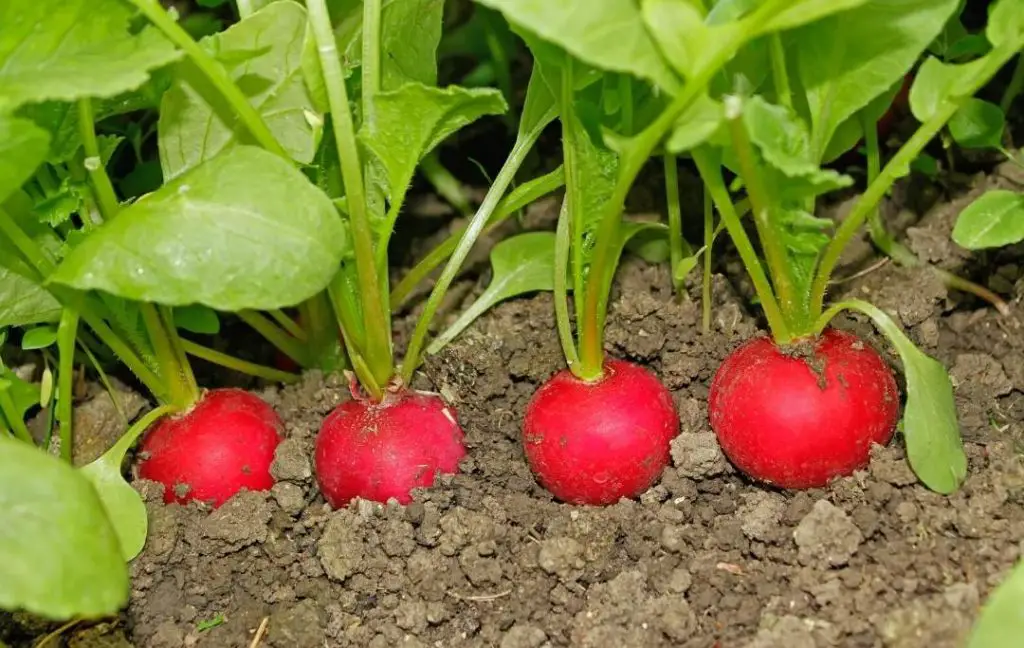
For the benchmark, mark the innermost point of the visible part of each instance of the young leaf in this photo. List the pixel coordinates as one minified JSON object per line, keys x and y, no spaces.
{"x":936,"y":83}
{"x":59,"y":555}
{"x":978,"y":124}
{"x":519,"y":265}
{"x":39,"y":337}
{"x":243,"y":230}
{"x":23,"y":147}
{"x":263,"y":55}
{"x":1001,"y":624}
{"x":1005,"y":24}
{"x":23,"y":394}
{"x":68,"y":49}
{"x":410,"y":32}
{"x":930,"y":427}
{"x":414,"y":119}
{"x":197,"y":319}
{"x":696,"y":125}
{"x":24,"y":302}
{"x":609,"y":34}
{"x":848,"y":59}
{"x":993,"y":220}
{"x":678,"y":28}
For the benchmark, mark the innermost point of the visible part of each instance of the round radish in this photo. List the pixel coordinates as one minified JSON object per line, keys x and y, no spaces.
{"x":225,"y":443}
{"x":799,"y":418}
{"x":597,"y":442}
{"x":381,"y":450}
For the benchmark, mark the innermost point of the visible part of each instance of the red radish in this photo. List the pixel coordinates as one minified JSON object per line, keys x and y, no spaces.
{"x":379,"y":450}
{"x":799,"y":421}
{"x":225,"y":443}
{"x":594,"y":443}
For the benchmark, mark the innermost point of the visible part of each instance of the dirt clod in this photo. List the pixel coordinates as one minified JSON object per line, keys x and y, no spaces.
{"x":827,"y":535}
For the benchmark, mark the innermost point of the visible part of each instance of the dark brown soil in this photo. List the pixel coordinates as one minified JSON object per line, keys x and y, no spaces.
{"x":704,"y":559}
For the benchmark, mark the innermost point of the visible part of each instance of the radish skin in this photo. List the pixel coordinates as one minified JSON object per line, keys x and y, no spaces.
{"x":595,"y":443}
{"x":797,"y":422}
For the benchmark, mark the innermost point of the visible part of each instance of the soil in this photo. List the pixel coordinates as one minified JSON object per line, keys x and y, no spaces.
{"x":704,"y":559}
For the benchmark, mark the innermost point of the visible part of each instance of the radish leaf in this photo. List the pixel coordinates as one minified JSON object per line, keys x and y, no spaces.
{"x":68,"y":49}
{"x":24,"y":302}
{"x":519,"y":265}
{"x":23,"y":147}
{"x":243,"y":230}
{"x":262,"y":53}
{"x":1005,"y":24}
{"x":978,"y":124}
{"x":696,"y":125}
{"x":993,"y":220}
{"x":1001,"y":624}
{"x":197,"y":319}
{"x":847,"y":59}
{"x":936,"y":83}
{"x":930,"y":427}
{"x":59,"y":555}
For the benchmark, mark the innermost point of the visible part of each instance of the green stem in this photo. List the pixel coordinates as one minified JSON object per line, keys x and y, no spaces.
{"x":237,"y":364}
{"x":444,"y":183}
{"x":67,"y":330}
{"x":104,"y":379}
{"x":517,"y":199}
{"x":370,"y":64}
{"x":10,"y":412}
{"x":711,"y":173}
{"x":288,"y":324}
{"x":34,"y":255}
{"x":103,"y":189}
{"x":761,"y":209}
{"x":214,"y":73}
{"x":378,"y":352}
{"x":284,"y":342}
{"x":1013,"y":89}
{"x":181,"y":394}
{"x":641,"y":147}
{"x":244,"y":9}
{"x":501,"y":183}
{"x":779,"y":73}
{"x":675,"y":214}
{"x":709,"y":240}
{"x":183,"y":366}
{"x":563,"y":242}
{"x":128,"y":439}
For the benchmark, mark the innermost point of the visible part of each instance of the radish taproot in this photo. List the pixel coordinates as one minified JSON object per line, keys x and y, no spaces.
{"x":385,"y":449}
{"x":225,"y":443}
{"x":798,"y":420}
{"x":598,"y":442}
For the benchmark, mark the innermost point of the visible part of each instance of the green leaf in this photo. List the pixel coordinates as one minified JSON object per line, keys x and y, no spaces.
{"x":1001,"y":624}
{"x":24,"y":302}
{"x":123,"y":504}
{"x":936,"y":82}
{"x":59,"y":555}
{"x":845,"y":60}
{"x":993,"y":220}
{"x":608,"y":34}
{"x":850,"y":133}
{"x":414,"y":119}
{"x":802,"y":12}
{"x":197,"y":319}
{"x":926,"y":164}
{"x":696,"y":125}
{"x":263,"y":54}
{"x":1006,"y":24}
{"x":678,"y":28}
{"x":978,"y":124}
{"x":930,"y":428}
{"x":519,"y":265}
{"x":24,"y":395}
{"x":68,"y":49}
{"x":410,"y":33}
{"x":39,"y":337}
{"x":23,"y":147}
{"x":243,"y":230}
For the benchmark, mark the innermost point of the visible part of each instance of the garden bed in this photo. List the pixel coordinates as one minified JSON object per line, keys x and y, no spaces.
{"x":704,"y":559}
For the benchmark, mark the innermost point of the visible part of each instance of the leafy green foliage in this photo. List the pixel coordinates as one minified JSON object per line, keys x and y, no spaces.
{"x":936,"y":83}
{"x":67,"y":49}
{"x":23,"y":147}
{"x":59,"y":555}
{"x":243,"y":230}
{"x":197,"y":319}
{"x":24,"y":302}
{"x":263,"y":54}
{"x":848,"y":59}
{"x":23,"y":394}
{"x":1005,"y":24}
{"x":39,"y":337}
{"x":696,"y":125}
{"x":519,"y":265}
{"x":978,"y":124}
{"x":993,"y":220}
{"x":1001,"y":624}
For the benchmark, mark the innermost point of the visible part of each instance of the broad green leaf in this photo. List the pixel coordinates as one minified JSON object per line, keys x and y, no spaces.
{"x":1006,"y":24}
{"x":978,"y":124}
{"x":608,"y":34}
{"x":1001,"y":622}
{"x":936,"y":82}
{"x":930,"y":427}
{"x":850,"y":133}
{"x":410,"y":33}
{"x":519,"y":265}
{"x":698,"y":123}
{"x":993,"y":220}
{"x":39,"y":337}
{"x":263,"y":54}
{"x":243,"y":230}
{"x":678,"y":28}
{"x":197,"y":319}
{"x":23,"y":147}
{"x":847,"y":59}
{"x":414,"y":119}
{"x":59,"y":555}
{"x":803,"y":12}
{"x":24,"y":302}
{"x":23,"y":394}
{"x":68,"y":49}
